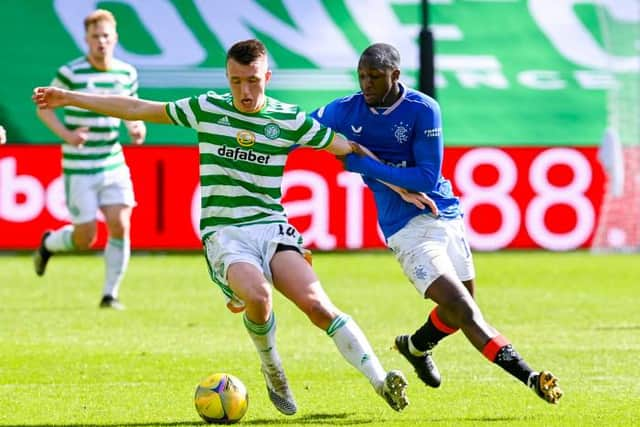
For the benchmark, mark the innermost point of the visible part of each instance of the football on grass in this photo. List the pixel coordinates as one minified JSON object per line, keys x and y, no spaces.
{"x":221,"y":399}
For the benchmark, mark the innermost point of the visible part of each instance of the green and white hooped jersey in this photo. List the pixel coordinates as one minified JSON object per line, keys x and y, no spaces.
{"x":102,"y":151}
{"x":242,"y":156}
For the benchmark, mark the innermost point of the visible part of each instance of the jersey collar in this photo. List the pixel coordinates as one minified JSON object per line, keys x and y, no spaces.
{"x":389,"y":110}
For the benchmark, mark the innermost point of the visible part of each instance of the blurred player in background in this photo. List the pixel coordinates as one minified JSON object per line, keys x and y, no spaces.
{"x":96,"y":176}
{"x":402,"y":128}
{"x":3,"y":135}
{"x":244,"y":141}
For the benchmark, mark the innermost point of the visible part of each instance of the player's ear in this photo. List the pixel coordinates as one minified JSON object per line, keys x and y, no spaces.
{"x":395,"y":75}
{"x":267,"y":76}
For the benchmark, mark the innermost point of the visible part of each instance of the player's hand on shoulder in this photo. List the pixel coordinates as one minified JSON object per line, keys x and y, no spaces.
{"x":48,"y":97}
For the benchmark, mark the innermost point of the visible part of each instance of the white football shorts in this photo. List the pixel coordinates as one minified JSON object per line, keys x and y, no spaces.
{"x":428,"y":247}
{"x":86,"y":193}
{"x":254,"y":244}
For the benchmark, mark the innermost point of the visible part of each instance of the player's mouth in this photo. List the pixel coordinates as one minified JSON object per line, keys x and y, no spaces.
{"x":370,"y":98}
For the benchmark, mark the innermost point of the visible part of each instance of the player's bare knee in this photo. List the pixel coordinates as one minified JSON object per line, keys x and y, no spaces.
{"x":118,"y":229}
{"x":260,"y":296}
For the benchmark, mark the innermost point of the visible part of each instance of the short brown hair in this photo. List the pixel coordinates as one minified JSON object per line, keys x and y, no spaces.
{"x":97,"y":16}
{"x":246,"y":51}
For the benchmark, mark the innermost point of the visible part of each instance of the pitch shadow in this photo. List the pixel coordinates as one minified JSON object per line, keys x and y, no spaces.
{"x":332,"y":419}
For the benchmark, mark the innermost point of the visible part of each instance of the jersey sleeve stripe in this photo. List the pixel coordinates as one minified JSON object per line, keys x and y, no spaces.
{"x":170,"y":109}
{"x":185,"y":112}
{"x":328,"y":139}
{"x":63,"y":81}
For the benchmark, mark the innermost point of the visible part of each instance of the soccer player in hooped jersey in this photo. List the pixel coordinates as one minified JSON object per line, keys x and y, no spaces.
{"x":244,"y":140}
{"x":95,"y":173}
{"x":402,"y":128}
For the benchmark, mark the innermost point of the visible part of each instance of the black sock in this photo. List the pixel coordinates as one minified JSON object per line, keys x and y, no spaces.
{"x":509,"y":360}
{"x":429,"y":334}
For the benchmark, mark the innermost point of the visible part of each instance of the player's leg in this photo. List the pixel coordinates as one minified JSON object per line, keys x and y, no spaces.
{"x":235,"y":263}
{"x":481,"y":334}
{"x":296,"y":280}
{"x":417,"y":348}
{"x":82,"y":204}
{"x":457,"y":308}
{"x":116,"y":253}
{"x":116,"y":199}
{"x":421,"y":249}
{"x":249,"y":285}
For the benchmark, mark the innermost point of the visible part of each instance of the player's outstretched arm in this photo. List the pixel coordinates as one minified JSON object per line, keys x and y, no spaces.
{"x":124,"y":107}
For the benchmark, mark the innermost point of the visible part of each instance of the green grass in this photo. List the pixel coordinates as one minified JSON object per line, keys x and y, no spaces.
{"x":64,"y":362}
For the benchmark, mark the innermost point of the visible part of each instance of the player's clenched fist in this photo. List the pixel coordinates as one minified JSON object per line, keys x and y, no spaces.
{"x":49,"y":97}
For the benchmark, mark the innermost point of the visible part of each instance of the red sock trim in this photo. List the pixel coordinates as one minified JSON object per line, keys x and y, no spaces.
{"x":491,"y":349}
{"x":439,"y":324}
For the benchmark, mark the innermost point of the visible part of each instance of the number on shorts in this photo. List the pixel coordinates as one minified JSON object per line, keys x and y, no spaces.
{"x":290,"y":231}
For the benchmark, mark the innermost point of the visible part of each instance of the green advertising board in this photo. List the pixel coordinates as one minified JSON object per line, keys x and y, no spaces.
{"x":509,"y":72}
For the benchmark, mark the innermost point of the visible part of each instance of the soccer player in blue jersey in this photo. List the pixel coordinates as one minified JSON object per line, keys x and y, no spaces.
{"x":402,"y":129}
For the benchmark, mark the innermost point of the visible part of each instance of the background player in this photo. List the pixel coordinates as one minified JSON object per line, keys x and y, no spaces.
{"x":95,"y":173}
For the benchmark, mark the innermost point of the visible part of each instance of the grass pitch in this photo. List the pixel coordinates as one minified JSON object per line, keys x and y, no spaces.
{"x":64,"y":362}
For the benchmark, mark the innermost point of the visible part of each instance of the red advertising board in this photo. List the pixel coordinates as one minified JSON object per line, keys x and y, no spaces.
{"x":513,"y":197}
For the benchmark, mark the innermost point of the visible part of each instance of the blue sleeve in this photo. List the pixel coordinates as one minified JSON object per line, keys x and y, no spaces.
{"x":327,"y":115}
{"x":428,"y":148}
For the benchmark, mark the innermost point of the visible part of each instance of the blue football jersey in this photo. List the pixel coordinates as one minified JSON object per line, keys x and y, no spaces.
{"x":407,"y":138}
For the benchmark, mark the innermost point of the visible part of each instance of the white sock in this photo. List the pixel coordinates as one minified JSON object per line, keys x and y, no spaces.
{"x":60,"y":240}
{"x":116,"y":259}
{"x":355,"y":348}
{"x":264,"y":338}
